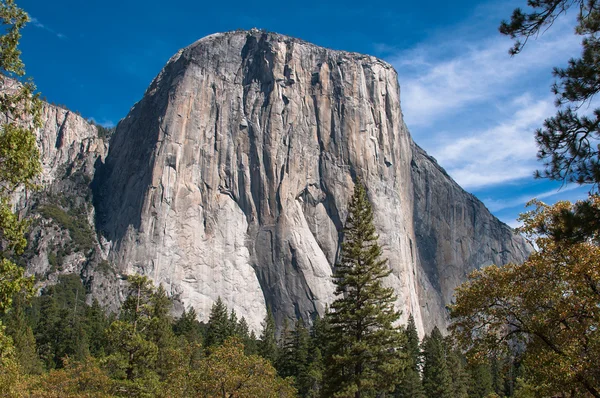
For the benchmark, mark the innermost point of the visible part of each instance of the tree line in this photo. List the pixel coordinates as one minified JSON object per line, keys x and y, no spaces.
{"x":65,"y":347}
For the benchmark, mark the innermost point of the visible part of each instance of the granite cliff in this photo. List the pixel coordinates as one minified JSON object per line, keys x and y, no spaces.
{"x":231,"y":178}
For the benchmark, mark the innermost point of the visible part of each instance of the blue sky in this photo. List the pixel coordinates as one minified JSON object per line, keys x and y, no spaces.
{"x":464,"y":99}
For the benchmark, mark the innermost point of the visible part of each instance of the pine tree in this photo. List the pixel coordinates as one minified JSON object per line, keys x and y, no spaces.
{"x":481,"y":383}
{"x":242,"y":330}
{"x":23,"y":339}
{"x":285,"y":349}
{"x":96,"y":324}
{"x":300,"y":357}
{"x":188,"y":326}
{"x":233,"y":324}
{"x":160,"y":332}
{"x":437,"y":380}
{"x":313,"y":382}
{"x":218,"y":324}
{"x":132,"y":348}
{"x":461,"y":380}
{"x":251,"y":345}
{"x":267,"y":345}
{"x":293,"y":360}
{"x":411,"y":385}
{"x":45,"y":331}
{"x":364,"y":354}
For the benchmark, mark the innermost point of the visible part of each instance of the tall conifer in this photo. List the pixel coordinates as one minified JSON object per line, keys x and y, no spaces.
{"x":364,"y":356}
{"x":437,"y":380}
{"x":410,"y":385}
{"x":267,"y":346}
{"x":218,"y":324}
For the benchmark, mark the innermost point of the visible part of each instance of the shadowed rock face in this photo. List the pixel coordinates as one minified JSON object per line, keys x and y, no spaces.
{"x":231,"y":178}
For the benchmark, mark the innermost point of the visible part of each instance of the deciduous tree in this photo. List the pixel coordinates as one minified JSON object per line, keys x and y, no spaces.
{"x":547,"y":306}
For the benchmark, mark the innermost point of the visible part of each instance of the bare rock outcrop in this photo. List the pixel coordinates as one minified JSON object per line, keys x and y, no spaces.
{"x":231,"y":178}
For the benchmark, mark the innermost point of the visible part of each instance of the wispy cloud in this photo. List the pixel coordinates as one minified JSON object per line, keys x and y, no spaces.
{"x":36,"y":22}
{"x":473,"y":107}
{"x":503,"y":152}
{"x":519,"y":201}
{"x":440,"y":79}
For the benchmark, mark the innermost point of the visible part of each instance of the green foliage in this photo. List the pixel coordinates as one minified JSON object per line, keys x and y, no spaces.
{"x":461,"y":379}
{"x":228,"y":372}
{"x":188,"y":326}
{"x":74,"y":221}
{"x":568,"y":141}
{"x":12,"y":282}
{"x":21,"y":333}
{"x":19,"y":164}
{"x":61,"y":329}
{"x":295,"y":360}
{"x":142,"y":342}
{"x":481,"y":380}
{"x":547,"y":305}
{"x":267,"y":345}
{"x":219,"y":325}
{"x":364,"y":354}
{"x":437,"y":380}
{"x":410,"y":384}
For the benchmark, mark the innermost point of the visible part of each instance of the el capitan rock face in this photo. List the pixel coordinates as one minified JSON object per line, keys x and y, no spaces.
{"x":231,"y":178}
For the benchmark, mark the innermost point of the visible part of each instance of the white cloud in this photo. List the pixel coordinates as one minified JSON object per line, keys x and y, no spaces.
{"x":501,"y":153}
{"x":440,"y":78}
{"x":475,"y":108}
{"x":36,"y":22}
{"x":520,"y":201}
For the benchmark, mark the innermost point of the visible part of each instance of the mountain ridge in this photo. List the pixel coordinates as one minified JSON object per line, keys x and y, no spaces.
{"x":230,"y":177}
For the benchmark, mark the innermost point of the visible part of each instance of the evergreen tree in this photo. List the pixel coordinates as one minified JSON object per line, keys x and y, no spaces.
{"x":61,"y":329}
{"x":316,"y":367}
{"x":160,"y":331}
{"x":568,"y":141}
{"x":23,"y":339}
{"x":218,"y":324}
{"x":188,"y":326}
{"x":437,"y":380}
{"x":233,"y":324}
{"x":141,"y":343}
{"x":313,"y":381}
{"x":251,"y":345}
{"x":285,"y":353}
{"x":412,"y":344}
{"x":319,"y":334}
{"x":459,"y":375}
{"x":293,"y":360}
{"x":96,"y":324}
{"x":45,"y":331}
{"x":364,"y":354}
{"x":480,"y":380}
{"x":410,"y":385}
{"x":267,"y":345}
{"x":300,"y":357}
{"x":242,"y":330}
